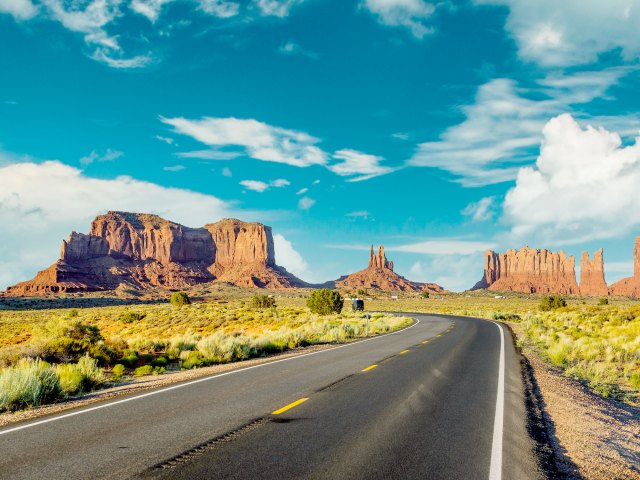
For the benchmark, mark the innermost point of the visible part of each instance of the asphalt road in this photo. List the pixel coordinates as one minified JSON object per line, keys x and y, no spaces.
{"x":445,"y":400}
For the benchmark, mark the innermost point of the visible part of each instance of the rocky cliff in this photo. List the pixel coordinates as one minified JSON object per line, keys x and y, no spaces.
{"x":630,"y":286}
{"x":380,"y":275}
{"x":142,"y":251}
{"x":529,"y":270}
{"x":592,"y":282}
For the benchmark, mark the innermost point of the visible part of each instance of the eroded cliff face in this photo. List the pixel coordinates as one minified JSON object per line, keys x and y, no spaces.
{"x":141,"y":251}
{"x":592,"y":282}
{"x":380,"y":275}
{"x":529,"y":270}
{"x":630,"y":286}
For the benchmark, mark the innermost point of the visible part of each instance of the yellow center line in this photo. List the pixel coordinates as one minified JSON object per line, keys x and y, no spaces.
{"x":370,"y":367}
{"x":289,"y":407}
{"x":403,"y":352}
{"x":425,"y":342}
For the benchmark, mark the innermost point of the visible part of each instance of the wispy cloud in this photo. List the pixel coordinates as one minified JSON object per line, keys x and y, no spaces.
{"x":363,"y":214}
{"x":174,"y":168}
{"x":19,"y":9}
{"x":410,"y":14}
{"x":438,"y":246}
{"x":292,"y":48}
{"x":107,"y":156}
{"x":360,"y":166}
{"x":260,"y":186}
{"x":276,"y":8}
{"x":305,"y":203}
{"x":482,"y":210}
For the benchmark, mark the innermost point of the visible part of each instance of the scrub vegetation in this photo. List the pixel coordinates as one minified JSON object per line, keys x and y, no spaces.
{"x":47,"y":355}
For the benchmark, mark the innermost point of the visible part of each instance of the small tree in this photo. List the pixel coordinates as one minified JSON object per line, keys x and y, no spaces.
{"x":424,"y":294}
{"x":263,"y":301}
{"x":178,"y":299}
{"x":325,"y":302}
{"x":361,"y":292}
{"x":603,"y":301}
{"x":552,"y":302}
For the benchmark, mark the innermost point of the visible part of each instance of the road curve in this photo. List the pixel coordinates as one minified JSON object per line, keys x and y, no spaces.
{"x":441,"y":399}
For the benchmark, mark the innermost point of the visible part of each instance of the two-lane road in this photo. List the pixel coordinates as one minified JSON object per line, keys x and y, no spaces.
{"x":441,"y":399}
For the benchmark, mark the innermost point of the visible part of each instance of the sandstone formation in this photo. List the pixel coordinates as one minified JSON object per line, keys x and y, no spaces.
{"x":529,"y":270}
{"x":380,"y":275}
{"x":592,"y":282}
{"x":141,"y":251}
{"x":630,"y":286}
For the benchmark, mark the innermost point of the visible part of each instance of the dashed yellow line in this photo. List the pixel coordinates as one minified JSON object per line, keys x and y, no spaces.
{"x":370,"y":367}
{"x":289,"y":407}
{"x":425,"y":342}
{"x":403,"y":352}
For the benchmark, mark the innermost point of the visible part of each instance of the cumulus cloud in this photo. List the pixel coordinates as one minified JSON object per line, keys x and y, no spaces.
{"x":583,"y":186}
{"x":501,"y":131}
{"x":483,"y":209}
{"x":20,"y":9}
{"x":565,"y":33}
{"x":257,"y":139}
{"x":260,"y":186}
{"x":149,"y":8}
{"x":360,"y":165}
{"x":402,"y":13}
{"x":288,"y":257}
{"x":276,"y":8}
{"x":305,"y":203}
{"x":40,"y":204}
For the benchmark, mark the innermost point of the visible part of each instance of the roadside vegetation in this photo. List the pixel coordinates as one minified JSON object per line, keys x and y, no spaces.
{"x":50,"y":355}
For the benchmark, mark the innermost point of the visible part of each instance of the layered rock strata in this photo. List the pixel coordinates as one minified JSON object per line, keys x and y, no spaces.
{"x":592,"y":282}
{"x":529,"y":270}
{"x":380,"y":275}
{"x":141,"y":251}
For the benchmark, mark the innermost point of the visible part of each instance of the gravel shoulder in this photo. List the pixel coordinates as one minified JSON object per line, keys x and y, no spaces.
{"x":593,"y":438}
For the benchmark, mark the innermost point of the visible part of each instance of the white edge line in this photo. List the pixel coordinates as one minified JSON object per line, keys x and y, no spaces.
{"x":193,"y":382}
{"x":495,"y":471}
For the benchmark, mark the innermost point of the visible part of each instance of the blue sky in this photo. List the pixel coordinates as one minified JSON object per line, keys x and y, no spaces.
{"x":436,"y":129}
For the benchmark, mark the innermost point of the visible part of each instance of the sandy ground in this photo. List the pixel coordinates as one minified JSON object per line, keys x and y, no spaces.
{"x":141,"y":384}
{"x":593,"y":438}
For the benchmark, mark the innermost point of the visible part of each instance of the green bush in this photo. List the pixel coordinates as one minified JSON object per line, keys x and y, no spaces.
{"x":263,"y":301}
{"x":159,"y":362}
{"x":179,"y":299}
{"x":325,"y":302}
{"x":130,"y":317}
{"x":64,"y":341}
{"x":145,"y":370}
{"x":129,"y":361}
{"x":221,"y":348}
{"x":79,"y":377}
{"x":424,"y":294}
{"x":28,"y":384}
{"x":117,"y":372}
{"x":603,"y":301}
{"x":192,"y":359}
{"x":552,"y":302}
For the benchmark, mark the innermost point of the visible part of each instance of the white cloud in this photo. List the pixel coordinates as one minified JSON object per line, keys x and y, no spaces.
{"x":20,"y":9}
{"x":502,"y":127}
{"x":259,"y":140}
{"x":40,"y":204}
{"x":440,"y":246}
{"x":211,"y":154}
{"x":402,"y":13}
{"x":104,"y":55}
{"x":305,"y":203}
{"x":292,"y":48}
{"x":167,"y":140}
{"x":174,"y":168}
{"x":483,"y":209}
{"x":400,"y":136}
{"x":564,"y":33}
{"x":108,"y":156}
{"x":363,"y":165}
{"x":358,"y":214}
{"x":149,"y":8}
{"x":226,"y":172}
{"x":453,"y":272}
{"x":302,"y":191}
{"x":219,"y":8}
{"x":584,"y":186}
{"x":276,"y":8}
{"x":288,"y":257}
{"x":260,"y":186}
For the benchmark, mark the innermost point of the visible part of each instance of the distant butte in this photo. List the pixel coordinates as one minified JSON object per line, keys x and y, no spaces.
{"x":140,"y":251}
{"x":380,"y":275}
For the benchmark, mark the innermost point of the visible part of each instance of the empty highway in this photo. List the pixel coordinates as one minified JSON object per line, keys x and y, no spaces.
{"x":442,"y":399}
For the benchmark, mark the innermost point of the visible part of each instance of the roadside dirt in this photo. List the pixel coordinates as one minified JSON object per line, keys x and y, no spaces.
{"x":592,"y":438}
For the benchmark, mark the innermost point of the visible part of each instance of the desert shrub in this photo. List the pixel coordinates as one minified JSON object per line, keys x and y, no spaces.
{"x":130,"y":317}
{"x":603,"y":301}
{"x":68,"y":340}
{"x":117,"y":372}
{"x":73,"y":313}
{"x":509,"y":317}
{"x":424,"y":294}
{"x":28,"y":384}
{"x":79,"y":377}
{"x":192,"y":359}
{"x":184,"y":342}
{"x":179,"y":299}
{"x":159,"y":362}
{"x":144,"y":370}
{"x":221,"y":348}
{"x":552,"y":302}
{"x":325,"y":302}
{"x":130,"y":361}
{"x":361,"y":292}
{"x":262,"y":301}
{"x":634,"y":380}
